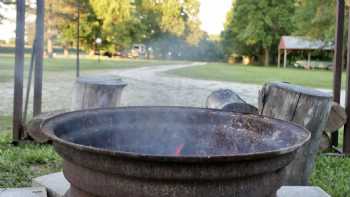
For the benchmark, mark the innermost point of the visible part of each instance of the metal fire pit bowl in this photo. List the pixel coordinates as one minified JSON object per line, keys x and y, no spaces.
{"x":173,"y":152}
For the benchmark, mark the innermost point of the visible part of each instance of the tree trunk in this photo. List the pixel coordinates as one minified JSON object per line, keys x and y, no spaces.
{"x":93,"y":92}
{"x":266,"y":57}
{"x":307,"y":107}
{"x":49,"y":45}
{"x":65,"y":50}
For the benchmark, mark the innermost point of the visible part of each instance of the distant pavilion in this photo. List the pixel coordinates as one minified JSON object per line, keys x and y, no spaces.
{"x":296,"y":43}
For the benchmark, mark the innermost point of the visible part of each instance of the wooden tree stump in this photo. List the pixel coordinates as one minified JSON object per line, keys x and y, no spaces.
{"x":97,"y":92}
{"x":337,"y":118}
{"x":325,"y":144}
{"x":33,"y":128}
{"x":307,"y":107}
{"x":228,"y":100}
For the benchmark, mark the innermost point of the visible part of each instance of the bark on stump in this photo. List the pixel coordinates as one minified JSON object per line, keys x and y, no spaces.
{"x":336,"y":120}
{"x":307,"y":107}
{"x":33,"y":128}
{"x":228,"y":100}
{"x":97,"y":92}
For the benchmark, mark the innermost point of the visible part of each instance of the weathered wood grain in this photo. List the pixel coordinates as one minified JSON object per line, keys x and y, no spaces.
{"x":97,"y":92}
{"x":17,"y":127}
{"x":337,"y":118}
{"x":38,"y":69}
{"x":33,"y":128}
{"x":325,"y":144}
{"x":307,"y":107}
{"x":228,"y":100}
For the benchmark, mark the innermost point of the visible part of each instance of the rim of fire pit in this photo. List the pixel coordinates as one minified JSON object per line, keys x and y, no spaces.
{"x":49,"y":132}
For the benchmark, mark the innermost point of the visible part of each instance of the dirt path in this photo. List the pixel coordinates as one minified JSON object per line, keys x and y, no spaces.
{"x":146,"y":86}
{"x":152,"y":86}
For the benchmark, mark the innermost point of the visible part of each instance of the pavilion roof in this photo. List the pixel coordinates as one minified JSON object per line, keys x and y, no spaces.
{"x":302,"y":43}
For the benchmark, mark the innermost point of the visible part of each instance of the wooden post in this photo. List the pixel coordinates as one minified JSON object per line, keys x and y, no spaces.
{"x":309,"y":59}
{"x":279,"y":58}
{"x":29,"y":83}
{"x":78,"y":41}
{"x":338,"y":60}
{"x":307,"y":107}
{"x":38,"y":77}
{"x":285,"y":58}
{"x":346,"y":144}
{"x":19,"y":67}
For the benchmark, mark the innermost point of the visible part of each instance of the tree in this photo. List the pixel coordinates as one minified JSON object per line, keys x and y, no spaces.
{"x":255,"y":26}
{"x":170,"y":22}
{"x":121,"y":23}
{"x":126,"y":22}
{"x":63,"y":18}
{"x":193,"y":33}
{"x":118,"y":24}
{"x":315,"y":19}
{"x":230,"y":42}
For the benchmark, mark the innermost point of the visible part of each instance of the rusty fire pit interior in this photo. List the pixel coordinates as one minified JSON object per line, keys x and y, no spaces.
{"x":173,"y":152}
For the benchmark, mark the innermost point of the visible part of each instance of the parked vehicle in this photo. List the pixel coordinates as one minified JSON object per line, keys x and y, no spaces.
{"x":314,"y":64}
{"x":138,"y":50}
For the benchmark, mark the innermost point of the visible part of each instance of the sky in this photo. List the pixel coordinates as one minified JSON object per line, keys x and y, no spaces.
{"x":8,"y":27}
{"x":212,"y":15}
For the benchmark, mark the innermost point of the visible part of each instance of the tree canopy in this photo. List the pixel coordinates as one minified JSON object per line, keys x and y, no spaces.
{"x":254,"y":27}
{"x":120,"y":23}
{"x":315,"y":19}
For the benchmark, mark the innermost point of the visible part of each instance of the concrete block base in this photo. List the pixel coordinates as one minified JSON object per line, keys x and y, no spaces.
{"x":23,"y":192}
{"x":57,"y":186}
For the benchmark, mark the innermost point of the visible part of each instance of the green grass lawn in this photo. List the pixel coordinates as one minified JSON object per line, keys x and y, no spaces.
{"x":333,"y":175}
{"x":68,"y":65}
{"x":19,"y":165}
{"x":258,"y":74}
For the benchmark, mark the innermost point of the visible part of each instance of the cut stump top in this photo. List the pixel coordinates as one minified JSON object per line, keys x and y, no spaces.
{"x":102,"y":80}
{"x":301,"y":90}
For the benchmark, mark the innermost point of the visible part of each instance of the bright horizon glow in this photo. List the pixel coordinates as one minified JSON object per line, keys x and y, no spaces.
{"x":213,"y":15}
{"x":8,"y":26}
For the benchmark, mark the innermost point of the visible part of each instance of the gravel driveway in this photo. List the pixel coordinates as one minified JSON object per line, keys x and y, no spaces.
{"x":146,"y":86}
{"x":151,"y":86}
